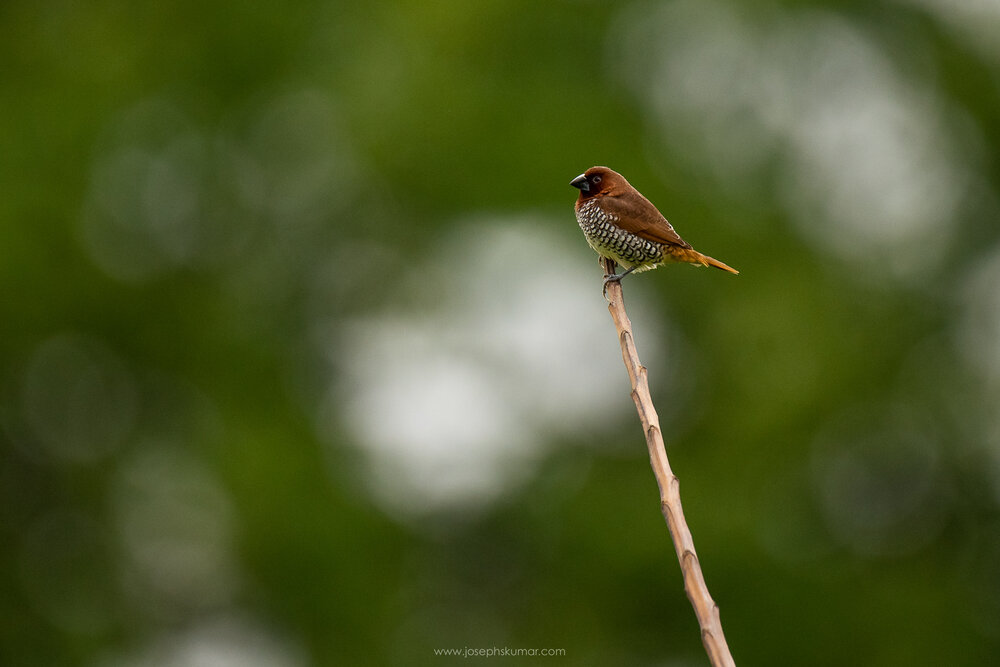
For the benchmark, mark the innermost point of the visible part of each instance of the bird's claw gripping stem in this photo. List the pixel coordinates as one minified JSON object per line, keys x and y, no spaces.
{"x":611,"y":278}
{"x":614,"y":278}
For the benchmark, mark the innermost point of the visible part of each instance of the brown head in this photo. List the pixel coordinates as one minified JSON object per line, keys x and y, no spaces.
{"x":599,"y":181}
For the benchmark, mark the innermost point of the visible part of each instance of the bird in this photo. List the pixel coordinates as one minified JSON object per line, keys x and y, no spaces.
{"x":623,"y":226}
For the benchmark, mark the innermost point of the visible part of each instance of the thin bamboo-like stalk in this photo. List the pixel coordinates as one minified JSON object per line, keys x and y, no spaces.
{"x":670,"y":499}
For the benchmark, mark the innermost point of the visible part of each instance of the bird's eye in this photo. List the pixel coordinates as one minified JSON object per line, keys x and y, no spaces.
{"x":595,"y":179}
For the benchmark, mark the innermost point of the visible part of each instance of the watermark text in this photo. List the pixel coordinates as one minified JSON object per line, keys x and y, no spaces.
{"x":500,"y":652}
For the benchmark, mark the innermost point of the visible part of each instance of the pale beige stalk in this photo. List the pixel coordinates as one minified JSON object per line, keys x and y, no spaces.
{"x":670,"y":499}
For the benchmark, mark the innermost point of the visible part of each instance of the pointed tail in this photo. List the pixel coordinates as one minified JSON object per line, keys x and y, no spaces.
{"x":694,"y":257}
{"x":711,"y":261}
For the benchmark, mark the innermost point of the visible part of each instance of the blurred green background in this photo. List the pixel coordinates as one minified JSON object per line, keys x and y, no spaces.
{"x":304,"y":360}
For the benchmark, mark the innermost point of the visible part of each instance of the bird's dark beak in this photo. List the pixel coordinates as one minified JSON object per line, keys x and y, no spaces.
{"x":581,"y":183}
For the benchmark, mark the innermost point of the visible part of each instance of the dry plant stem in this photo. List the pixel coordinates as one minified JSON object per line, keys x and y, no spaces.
{"x":670,"y":500}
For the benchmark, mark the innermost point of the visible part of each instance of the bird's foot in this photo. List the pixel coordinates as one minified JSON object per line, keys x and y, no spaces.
{"x":611,"y":278}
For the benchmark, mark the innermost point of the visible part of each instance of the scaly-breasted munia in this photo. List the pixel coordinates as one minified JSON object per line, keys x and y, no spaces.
{"x":622,"y":225}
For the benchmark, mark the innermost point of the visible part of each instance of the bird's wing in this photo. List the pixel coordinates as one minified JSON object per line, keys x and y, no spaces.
{"x":637,"y":215}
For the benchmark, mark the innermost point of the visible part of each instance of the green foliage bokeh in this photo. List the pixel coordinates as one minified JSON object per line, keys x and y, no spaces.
{"x":199,"y":198}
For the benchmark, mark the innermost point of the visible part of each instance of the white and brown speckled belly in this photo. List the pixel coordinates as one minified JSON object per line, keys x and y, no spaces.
{"x":613,"y":242}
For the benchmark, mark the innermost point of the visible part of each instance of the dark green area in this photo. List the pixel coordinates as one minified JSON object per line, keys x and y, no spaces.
{"x":329,"y":148}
